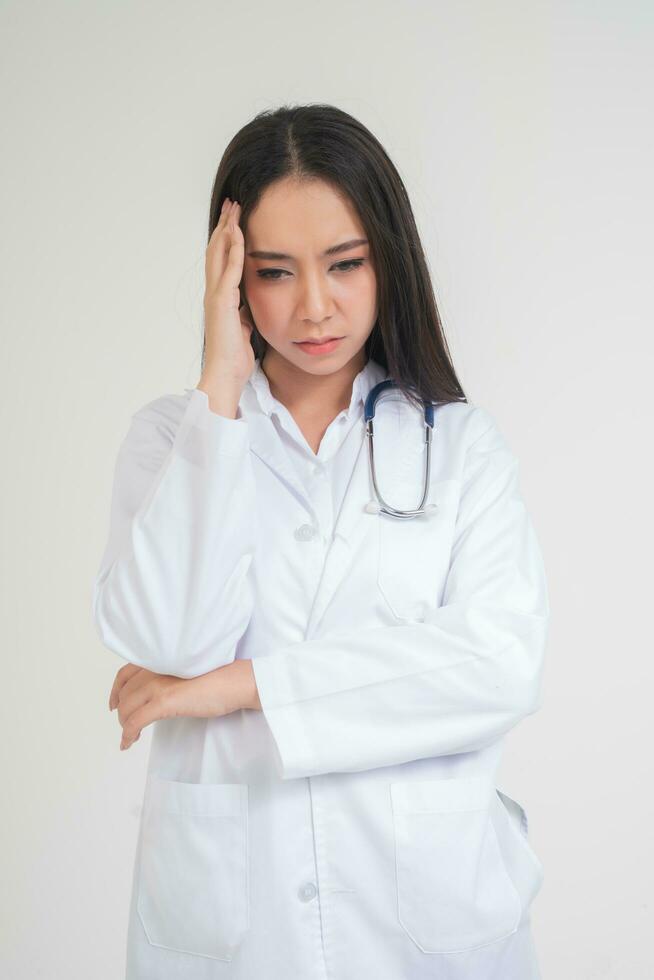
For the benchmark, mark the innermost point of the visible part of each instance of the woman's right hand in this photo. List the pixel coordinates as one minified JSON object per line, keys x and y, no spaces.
{"x":229,"y":356}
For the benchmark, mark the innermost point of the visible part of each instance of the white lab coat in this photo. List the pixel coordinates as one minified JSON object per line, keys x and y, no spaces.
{"x":353,"y":826}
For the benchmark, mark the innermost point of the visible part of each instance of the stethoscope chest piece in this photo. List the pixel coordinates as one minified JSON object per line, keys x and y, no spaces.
{"x":380,"y":506}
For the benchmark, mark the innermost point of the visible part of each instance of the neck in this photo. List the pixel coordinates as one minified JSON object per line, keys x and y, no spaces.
{"x":305,"y":394}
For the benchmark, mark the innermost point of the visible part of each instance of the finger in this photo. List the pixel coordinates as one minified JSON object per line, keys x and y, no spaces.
{"x":234,"y":268}
{"x":124,"y":746}
{"x":223,"y":217}
{"x":223,"y":209}
{"x":221,"y":225}
{"x":121,"y":678}
{"x":217,"y":248}
{"x":143,"y":716}
{"x":226,"y":293}
{"x":232,"y":216}
{"x":137,"y":679}
{"x":221,"y":239}
{"x":124,"y":675}
{"x":136,"y":692}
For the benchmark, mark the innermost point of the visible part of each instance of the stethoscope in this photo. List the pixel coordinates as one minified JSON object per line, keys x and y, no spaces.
{"x":380,"y":506}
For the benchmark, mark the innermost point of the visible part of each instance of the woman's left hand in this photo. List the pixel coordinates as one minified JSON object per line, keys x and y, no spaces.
{"x":142,"y":696}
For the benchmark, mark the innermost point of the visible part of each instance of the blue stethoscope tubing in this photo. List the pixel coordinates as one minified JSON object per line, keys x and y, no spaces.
{"x":381,"y":506}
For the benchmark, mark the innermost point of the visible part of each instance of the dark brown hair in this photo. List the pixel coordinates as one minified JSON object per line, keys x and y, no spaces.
{"x":322,"y":142}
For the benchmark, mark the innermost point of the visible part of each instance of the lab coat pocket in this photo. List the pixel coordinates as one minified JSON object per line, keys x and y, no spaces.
{"x":414,"y":553}
{"x":524,"y":865}
{"x":193,"y":873}
{"x":453,"y":889}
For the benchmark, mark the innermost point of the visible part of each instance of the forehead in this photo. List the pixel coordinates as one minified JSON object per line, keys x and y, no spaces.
{"x":291,"y":212}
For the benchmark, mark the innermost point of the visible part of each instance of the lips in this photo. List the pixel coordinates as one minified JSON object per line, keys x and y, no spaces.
{"x":321,"y":340}
{"x":315,"y":348}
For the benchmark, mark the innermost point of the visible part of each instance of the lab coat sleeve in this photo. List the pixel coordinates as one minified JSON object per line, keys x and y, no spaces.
{"x":173,"y":593}
{"x":455,"y":682}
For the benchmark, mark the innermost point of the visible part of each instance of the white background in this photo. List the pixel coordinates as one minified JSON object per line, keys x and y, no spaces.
{"x":523,"y":132}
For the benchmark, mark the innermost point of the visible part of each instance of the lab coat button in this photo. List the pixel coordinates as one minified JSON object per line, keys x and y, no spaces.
{"x":307,"y":891}
{"x":305,"y":532}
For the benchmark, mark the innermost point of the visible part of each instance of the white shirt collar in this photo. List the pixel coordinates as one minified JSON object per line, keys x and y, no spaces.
{"x":366,"y":379}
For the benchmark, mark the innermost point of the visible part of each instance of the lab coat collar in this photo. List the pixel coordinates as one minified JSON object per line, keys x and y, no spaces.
{"x":257,"y":406}
{"x":363,"y":382}
{"x":353,"y":522}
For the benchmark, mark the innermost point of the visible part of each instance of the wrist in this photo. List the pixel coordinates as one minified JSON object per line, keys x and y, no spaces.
{"x":249,"y":693}
{"x":214,"y":379}
{"x":224,"y":397}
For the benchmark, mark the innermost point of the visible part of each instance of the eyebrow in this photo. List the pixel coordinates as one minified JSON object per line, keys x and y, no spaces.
{"x":334,"y":250}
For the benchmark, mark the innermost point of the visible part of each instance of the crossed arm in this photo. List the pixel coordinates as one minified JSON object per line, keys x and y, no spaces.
{"x":142,"y":697}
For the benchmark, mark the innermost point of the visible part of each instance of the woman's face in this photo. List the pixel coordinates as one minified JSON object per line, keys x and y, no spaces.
{"x":301,"y":292}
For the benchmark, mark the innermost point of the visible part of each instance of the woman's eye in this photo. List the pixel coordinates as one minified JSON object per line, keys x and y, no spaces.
{"x":270,"y":273}
{"x":348,"y":265}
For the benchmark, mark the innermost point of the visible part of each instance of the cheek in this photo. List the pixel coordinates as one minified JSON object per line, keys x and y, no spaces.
{"x":270,"y":310}
{"x":360,"y":293}
{"x":266,"y":303}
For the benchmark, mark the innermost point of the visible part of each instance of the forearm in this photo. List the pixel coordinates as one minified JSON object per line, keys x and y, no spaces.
{"x":182,"y":538}
{"x":218,"y":692}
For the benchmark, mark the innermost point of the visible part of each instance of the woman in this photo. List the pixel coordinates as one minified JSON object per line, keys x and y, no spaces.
{"x":329,"y":685}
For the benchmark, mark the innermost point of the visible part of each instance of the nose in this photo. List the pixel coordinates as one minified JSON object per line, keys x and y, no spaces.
{"x":316,"y":302}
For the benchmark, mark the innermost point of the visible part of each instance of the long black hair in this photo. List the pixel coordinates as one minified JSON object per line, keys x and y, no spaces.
{"x":323,"y":142}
